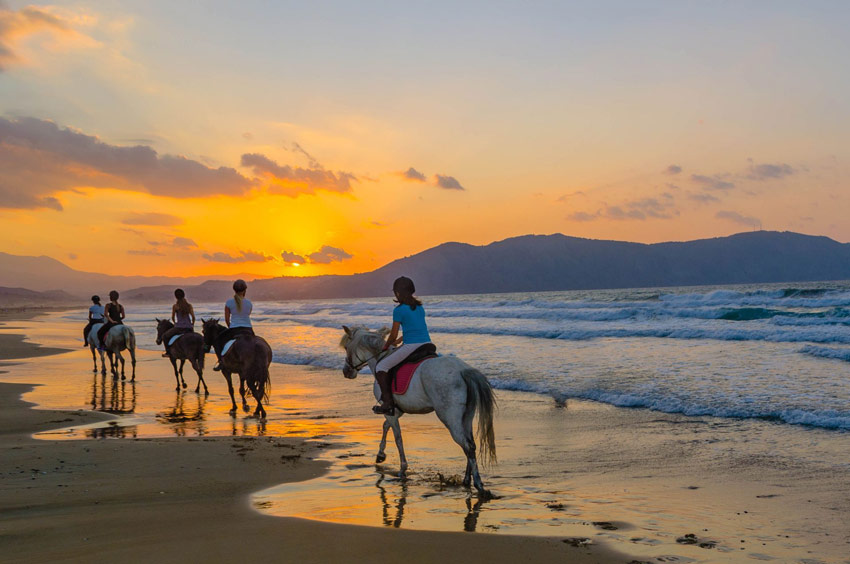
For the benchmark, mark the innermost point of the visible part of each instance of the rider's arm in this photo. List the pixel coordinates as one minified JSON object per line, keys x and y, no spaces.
{"x":227,"y":316}
{"x":393,"y":336}
{"x":192,"y":313}
{"x":89,"y":316}
{"x":121,"y":311}
{"x":174,"y":313}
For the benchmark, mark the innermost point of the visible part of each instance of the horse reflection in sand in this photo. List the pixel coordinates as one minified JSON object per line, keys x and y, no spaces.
{"x":117,"y":339}
{"x":111,"y":396}
{"x":392,"y":514}
{"x":184,"y":418}
{"x":445,"y":385}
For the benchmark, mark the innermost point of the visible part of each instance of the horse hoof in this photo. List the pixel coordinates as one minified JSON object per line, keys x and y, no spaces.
{"x":185,"y":386}
{"x":380,"y":458}
{"x":485,"y":494}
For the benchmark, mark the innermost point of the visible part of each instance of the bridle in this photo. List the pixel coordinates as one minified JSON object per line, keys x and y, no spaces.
{"x":360,"y":361}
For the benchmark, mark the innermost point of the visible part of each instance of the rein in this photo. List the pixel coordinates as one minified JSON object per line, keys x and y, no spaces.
{"x":378,"y":355}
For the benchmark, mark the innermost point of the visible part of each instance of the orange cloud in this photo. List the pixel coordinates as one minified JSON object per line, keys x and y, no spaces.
{"x":17,"y":26}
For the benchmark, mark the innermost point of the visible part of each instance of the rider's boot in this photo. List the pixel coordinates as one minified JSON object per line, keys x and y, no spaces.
{"x":387,"y":406}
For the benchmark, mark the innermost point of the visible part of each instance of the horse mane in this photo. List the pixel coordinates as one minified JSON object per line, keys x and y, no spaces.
{"x":373,"y":339}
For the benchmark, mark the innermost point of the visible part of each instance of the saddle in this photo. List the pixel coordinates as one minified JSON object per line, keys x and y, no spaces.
{"x":226,"y":348}
{"x":402,"y":374}
{"x":174,"y":338}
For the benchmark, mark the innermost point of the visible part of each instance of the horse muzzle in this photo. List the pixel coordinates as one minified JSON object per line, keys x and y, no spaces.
{"x":158,"y":341}
{"x":349,"y":373}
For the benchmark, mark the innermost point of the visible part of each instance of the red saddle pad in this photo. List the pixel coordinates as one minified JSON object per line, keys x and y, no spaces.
{"x":405,"y":375}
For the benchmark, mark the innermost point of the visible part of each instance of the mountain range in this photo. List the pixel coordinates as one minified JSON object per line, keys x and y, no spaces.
{"x":548,"y":262}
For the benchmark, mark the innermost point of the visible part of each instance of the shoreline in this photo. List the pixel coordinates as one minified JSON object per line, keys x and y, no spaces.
{"x":189,"y":499}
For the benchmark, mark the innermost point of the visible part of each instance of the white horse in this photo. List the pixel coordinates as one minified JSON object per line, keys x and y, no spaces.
{"x":446,"y":385}
{"x":117,"y":339}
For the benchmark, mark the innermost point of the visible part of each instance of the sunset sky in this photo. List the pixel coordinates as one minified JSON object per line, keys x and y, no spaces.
{"x":190,"y":138}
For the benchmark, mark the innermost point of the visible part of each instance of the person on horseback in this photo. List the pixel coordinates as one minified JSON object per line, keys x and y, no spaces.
{"x":95,"y":317}
{"x":409,"y":314}
{"x":183,"y":317}
{"x":114,"y":314}
{"x":237,"y":317}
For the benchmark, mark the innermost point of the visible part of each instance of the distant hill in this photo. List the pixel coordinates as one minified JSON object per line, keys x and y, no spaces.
{"x":21,"y":297}
{"x":558,"y":262}
{"x":45,"y":273}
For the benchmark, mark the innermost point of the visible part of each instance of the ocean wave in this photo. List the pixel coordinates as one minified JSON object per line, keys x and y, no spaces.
{"x":733,"y":332}
{"x":827,"y":419}
{"x":826,"y":352}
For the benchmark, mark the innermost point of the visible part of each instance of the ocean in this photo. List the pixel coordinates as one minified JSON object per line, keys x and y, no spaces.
{"x":778,"y":352}
{"x":743,"y":441}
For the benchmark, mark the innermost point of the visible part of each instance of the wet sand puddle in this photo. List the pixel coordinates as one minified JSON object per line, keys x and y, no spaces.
{"x":561,"y":473}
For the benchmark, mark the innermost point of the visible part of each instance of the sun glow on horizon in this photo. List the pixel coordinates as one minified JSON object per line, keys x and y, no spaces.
{"x":162,"y":162}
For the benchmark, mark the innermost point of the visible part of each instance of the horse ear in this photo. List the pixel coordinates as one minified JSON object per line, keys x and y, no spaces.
{"x":347,"y":330}
{"x":156,"y":319}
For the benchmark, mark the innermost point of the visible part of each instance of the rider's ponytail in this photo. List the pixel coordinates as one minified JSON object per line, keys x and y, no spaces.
{"x":238,"y":287}
{"x":183,"y":306}
{"x":403,"y":288}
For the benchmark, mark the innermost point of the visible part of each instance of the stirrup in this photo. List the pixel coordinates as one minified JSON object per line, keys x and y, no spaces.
{"x":383,"y":410}
{"x":217,"y":367}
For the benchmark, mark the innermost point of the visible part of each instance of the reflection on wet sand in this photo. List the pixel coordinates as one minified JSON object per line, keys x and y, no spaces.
{"x":186,"y":416}
{"x":113,"y":396}
{"x":385,"y":504}
{"x":394,"y":500}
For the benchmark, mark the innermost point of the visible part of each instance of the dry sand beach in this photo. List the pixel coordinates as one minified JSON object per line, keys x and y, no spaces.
{"x":187,"y":499}
{"x":140,"y":472}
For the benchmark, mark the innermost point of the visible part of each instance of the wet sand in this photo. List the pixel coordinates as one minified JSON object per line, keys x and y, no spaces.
{"x":186,"y":498}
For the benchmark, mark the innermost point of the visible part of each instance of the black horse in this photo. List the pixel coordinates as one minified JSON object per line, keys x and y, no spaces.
{"x":250,"y":357}
{"x":190,"y":346}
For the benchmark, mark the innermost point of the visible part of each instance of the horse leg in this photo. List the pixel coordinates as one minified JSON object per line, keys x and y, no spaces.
{"x":182,"y":363}
{"x":121,"y":358}
{"x":393,"y":421}
{"x":200,"y":372}
{"x":176,"y":376}
{"x":133,"y":362}
{"x":93,"y":357}
{"x":112,"y":361}
{"x":381,"y":454}
{"x":102,"y":363}
{"x":460,"y":428}
{"x":245,"y":406}
{"x":229,"y":378}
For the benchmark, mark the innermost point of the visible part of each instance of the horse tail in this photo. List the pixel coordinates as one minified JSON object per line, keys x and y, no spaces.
{"x":200,"y":354}
{"x":480,"y":398}
{"x":257,"y":376}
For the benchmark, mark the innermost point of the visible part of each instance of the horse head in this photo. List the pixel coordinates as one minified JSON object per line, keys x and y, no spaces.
{"x":361,"y":345}
{"x":210,"y":329}
{"x":162,"y":325}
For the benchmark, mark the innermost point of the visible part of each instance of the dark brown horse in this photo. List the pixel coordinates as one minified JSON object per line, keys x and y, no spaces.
{"x":190,"y":346}
{"x":250,"y":357}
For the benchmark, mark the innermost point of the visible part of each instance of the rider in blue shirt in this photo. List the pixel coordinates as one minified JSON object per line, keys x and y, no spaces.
{"x":409,"y":315}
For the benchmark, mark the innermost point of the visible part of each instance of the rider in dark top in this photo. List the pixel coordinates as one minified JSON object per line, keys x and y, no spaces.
{"x":114,"y":313}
